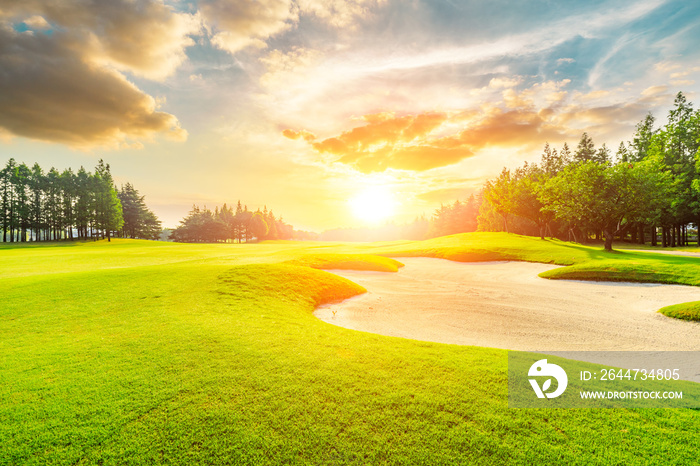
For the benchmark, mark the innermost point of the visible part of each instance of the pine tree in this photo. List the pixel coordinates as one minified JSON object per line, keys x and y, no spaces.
{"x":109,"y":209}
{"x":585,"y":150}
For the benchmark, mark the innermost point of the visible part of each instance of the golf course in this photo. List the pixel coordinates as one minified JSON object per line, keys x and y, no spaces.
{"x":145,"y":352}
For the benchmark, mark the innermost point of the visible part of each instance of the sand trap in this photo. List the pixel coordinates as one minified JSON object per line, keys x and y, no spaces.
{"x":506,"y":305}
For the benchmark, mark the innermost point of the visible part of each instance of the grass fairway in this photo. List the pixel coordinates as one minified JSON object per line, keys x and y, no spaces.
{"x":134,"y":352}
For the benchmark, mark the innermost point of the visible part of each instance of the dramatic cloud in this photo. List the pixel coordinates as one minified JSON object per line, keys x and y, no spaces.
{"x":62,"y":78}
{"x":418,"y":142}
{"x":76,"y":103}
{"x":146,"y":38}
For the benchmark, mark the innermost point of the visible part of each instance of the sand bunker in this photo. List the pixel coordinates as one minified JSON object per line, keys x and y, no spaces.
{"x":506,"y":305}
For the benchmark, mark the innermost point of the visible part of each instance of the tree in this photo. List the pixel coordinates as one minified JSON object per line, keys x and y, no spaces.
{"x":586,"y":150}
{"x":108,"y":206}
{"x":20,"y":179}
{"x":36,"y":206}
{"x":7,"y":199}
{"x":644,"y":131}
{"x":602,"y":155}
{"x":603,"y":197}
{"x":258,"y":226}
{"x":527,"y":184}
{"x":139,"y":221}
{"x":500,"y":195}
{"x":69,"y":193}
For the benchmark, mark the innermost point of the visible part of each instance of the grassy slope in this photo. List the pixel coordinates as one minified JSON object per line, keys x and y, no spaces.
{"x":683,"y":311}
{"x":137,"y":353}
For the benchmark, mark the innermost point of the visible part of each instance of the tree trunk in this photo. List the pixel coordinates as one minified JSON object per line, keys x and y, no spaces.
{"x":673,"y":236}
{"x":664,"y":236}
{"x":608,"y":240}
{"x":642,"y":239}
{"x":653,"y":236}
{"x":573,"y":233}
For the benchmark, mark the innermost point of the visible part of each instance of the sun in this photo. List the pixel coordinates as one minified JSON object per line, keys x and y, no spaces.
{"x":373,"y":204}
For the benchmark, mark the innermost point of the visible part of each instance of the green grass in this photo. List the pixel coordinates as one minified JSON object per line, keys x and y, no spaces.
{"x":134,"y":352}
{"x":683,"y":311}
{"x":349,"y":262}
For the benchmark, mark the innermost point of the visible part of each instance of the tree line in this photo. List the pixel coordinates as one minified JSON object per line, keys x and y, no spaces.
{"x":649,"y":189}
{"x":47,"y":206}
{"x":202,"y":225}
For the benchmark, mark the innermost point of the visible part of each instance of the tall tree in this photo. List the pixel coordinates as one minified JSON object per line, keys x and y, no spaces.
{"x":586,"y":150}
{"x":7,"y":199}
{"x":108,"y":206}
{"x":36,"y":206}
{"x":500,"y":194}
{"x":641,"y":141}
{"x":139,"y":221}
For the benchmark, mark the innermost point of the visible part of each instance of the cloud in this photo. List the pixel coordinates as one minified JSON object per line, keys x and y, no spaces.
{"x":51,"y":91}
{"x":62,"y":78}
{"x":503,"y":82}
{"x":238,"y":24}
{"x":418,"y":143}
{"x":291,"y":66}
{"x":37,"y":22}
{"x":339,"y":13}
{"x":146,"y":38}
{"x":522,"y":121}
{"x":305,"y":135}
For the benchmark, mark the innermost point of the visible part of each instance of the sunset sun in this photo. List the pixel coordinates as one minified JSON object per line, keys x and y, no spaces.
{"x":373,"y":205}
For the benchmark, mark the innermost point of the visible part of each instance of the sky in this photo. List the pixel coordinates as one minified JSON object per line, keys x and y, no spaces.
{"x":306,"y":106}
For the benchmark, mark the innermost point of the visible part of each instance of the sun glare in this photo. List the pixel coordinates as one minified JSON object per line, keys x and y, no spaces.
{"x":373,"y":204}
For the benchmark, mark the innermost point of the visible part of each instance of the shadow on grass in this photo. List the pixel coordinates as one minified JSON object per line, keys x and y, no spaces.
{"x":625,"y":255}
{"x":44,"y":244}
{"x":589,"y":251}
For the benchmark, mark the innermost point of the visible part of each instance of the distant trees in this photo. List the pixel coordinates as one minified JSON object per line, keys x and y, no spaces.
{"x":452,"y":218}
{"x":202,"y":225}
{"x":43,"y":206}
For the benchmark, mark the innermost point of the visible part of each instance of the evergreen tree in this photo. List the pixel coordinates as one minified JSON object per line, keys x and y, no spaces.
{"x":585,"y":150}
{"x":139,"y":221}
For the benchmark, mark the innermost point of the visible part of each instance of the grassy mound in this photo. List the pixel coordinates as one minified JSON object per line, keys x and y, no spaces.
{"x":349,"y":262}
{"x":683,"y":311}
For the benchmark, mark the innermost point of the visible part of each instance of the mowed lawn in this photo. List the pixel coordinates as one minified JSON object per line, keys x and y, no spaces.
{"x":135,"y":352}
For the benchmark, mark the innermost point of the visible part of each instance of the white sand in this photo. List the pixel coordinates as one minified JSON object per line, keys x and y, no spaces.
{"x":506,"y":305}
